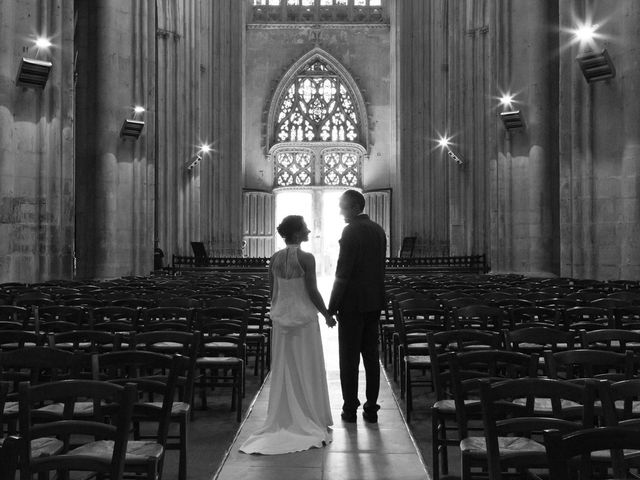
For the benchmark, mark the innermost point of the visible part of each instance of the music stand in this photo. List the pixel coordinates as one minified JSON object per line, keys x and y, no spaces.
{"x":199,"y":253}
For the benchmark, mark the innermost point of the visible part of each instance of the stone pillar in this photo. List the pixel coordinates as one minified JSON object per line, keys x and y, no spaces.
{"x":527,"y":165}
{"x":116,"y":64}
{"x":36,"y":145}
{"x":628,"y":70}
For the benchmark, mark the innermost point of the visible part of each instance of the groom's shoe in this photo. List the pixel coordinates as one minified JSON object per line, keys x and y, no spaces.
{"x":349,"y":417}
{"x":370,"y":414}
{"x":371,"y":417}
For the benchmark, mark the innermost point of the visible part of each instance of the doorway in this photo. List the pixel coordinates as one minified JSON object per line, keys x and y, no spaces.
{"x":320,"y":208}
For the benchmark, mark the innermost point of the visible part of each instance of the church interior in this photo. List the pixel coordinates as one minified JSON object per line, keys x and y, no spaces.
{"x":149,"y":149}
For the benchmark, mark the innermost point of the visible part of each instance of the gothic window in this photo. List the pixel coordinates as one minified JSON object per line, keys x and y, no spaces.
{"x":293,"y":168}
{"x":340,"y":168}
{"x":317,"y":107}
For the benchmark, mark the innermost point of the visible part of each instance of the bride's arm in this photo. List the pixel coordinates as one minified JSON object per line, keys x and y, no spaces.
{"x":308,"y":263}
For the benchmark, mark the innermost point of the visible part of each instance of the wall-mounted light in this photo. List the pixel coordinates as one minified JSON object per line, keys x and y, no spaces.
{"x":131,"y":128}
{"x":203,"y":150}
{"x":512,"y":120}
{"x":596,"y":66}
{"x":33,"y":73}
{"x":444,"y":143}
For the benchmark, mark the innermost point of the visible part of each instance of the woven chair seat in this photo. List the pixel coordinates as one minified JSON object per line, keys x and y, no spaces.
{"x":138,"y":451}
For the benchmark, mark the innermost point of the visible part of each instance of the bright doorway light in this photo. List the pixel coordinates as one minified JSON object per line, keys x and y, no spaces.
{"x":332,"y":225}
{"x":292,"y":202}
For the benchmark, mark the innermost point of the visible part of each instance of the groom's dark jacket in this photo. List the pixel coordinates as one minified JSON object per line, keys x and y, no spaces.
{"x":359,"y":284}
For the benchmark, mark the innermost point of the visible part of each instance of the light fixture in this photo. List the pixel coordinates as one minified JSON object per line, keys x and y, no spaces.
{"x":596,"y":66}
{"x":512,"y":120}
{"x":131,"y":128}
{"x":43,"y":42}
{"x":506,"y":100}
{"x":33,"y":73}
{"x":138,"y":109}
{"x":444,"y":143}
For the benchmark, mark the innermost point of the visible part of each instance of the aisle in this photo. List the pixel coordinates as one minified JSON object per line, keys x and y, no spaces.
{"x":359,"y":451}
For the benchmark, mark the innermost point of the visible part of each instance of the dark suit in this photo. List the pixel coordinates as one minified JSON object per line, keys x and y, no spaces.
{"x":358,"y":297}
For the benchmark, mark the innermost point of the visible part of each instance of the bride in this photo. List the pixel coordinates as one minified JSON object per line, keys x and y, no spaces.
{"x":299,"y":413}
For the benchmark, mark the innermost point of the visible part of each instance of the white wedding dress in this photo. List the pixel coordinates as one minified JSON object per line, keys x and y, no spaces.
{"x":299,"y":413}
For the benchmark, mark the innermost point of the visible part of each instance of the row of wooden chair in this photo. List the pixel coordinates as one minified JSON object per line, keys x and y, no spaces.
{"x":468,"y":358}
{"x":216,"y":361}
{"x":125,"y":319}
{"x":52,"y":412}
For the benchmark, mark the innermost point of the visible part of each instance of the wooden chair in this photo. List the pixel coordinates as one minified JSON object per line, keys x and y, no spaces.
{"x":88,"y":341}
{"x":413,"y":325}
{"x":590,"y":363}
{"x":612,"y":339}
{"x":61,"y":318}
{"x":588,"y":318}
{"x":15,"y":314}
{"x":115,"y":319}
{"x":537,"y":314}
{"x":12,"y":339}
{"x":470,"y":370}
{"x":562,"y":451}
{"x":155,"y":375}
{"x":482,"y":317}
{"x":221,"y":360}
{"x":512,"y":428}
{"x":167,"y":318}
{"x":442,"y":347}
{"x":187,"y":344}
{"x":45,"y":438}
{"x":539,"y":339}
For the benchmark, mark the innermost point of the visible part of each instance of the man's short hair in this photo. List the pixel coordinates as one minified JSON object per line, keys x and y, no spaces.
{"x":355,"y":198}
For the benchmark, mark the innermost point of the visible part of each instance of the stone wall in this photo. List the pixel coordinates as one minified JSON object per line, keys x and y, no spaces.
{"x":36,"y":144}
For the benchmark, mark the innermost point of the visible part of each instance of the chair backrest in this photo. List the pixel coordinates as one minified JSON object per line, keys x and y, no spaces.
{"x":483,"y":317}
{"x":116,"y":401}
{"x":508,"y":409}
{"x":536,"y":314}
{"x":538,"y":339}
{"x":90,"y":341}
{"x":562,"y":449}
{"x":471,"y":369}
{"x":39,"y":364}
{"x":590,"y":363}
{"x":588,"y":318}
{"x":13,"y":339}
{"x":115,"y":318}
{"x":13,"y":313}
{"x":223,"y":325}
{"x":154,"y":374}
{"x":186,"y":344}
{"x":60,"y":318}
{"x":166,"y":318}
{"x":613,"y":339}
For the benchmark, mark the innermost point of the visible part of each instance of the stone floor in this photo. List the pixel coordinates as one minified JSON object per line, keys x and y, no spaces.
{"x":355,"y":448}
{"x":358,"y":451}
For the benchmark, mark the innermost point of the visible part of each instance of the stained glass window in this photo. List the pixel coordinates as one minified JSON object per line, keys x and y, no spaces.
{"x":293,"y":168}
{"x":317,"y":107}
{"x":340,"y":168}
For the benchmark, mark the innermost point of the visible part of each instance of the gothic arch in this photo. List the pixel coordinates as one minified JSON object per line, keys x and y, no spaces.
{"x":318,"y":54}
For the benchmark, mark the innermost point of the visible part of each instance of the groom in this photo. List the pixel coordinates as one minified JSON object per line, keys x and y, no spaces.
{"x":357,"y":297}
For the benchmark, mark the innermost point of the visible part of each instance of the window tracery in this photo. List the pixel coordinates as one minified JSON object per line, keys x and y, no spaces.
{"x":317,"y":107}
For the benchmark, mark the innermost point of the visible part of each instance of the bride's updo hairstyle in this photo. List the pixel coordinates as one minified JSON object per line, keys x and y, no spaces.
{"x":290,"y":225}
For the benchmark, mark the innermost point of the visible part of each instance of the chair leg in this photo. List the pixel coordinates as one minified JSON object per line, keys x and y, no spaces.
{"x":435,"y":446}
{"x":182,"y":464}
{"x":407,"y":390}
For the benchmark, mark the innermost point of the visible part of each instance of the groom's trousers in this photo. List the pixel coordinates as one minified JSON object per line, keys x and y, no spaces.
{"x":358,"y":334}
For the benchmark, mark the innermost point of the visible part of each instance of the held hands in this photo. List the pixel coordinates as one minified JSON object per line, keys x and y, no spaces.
{"x":330,"y":319}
